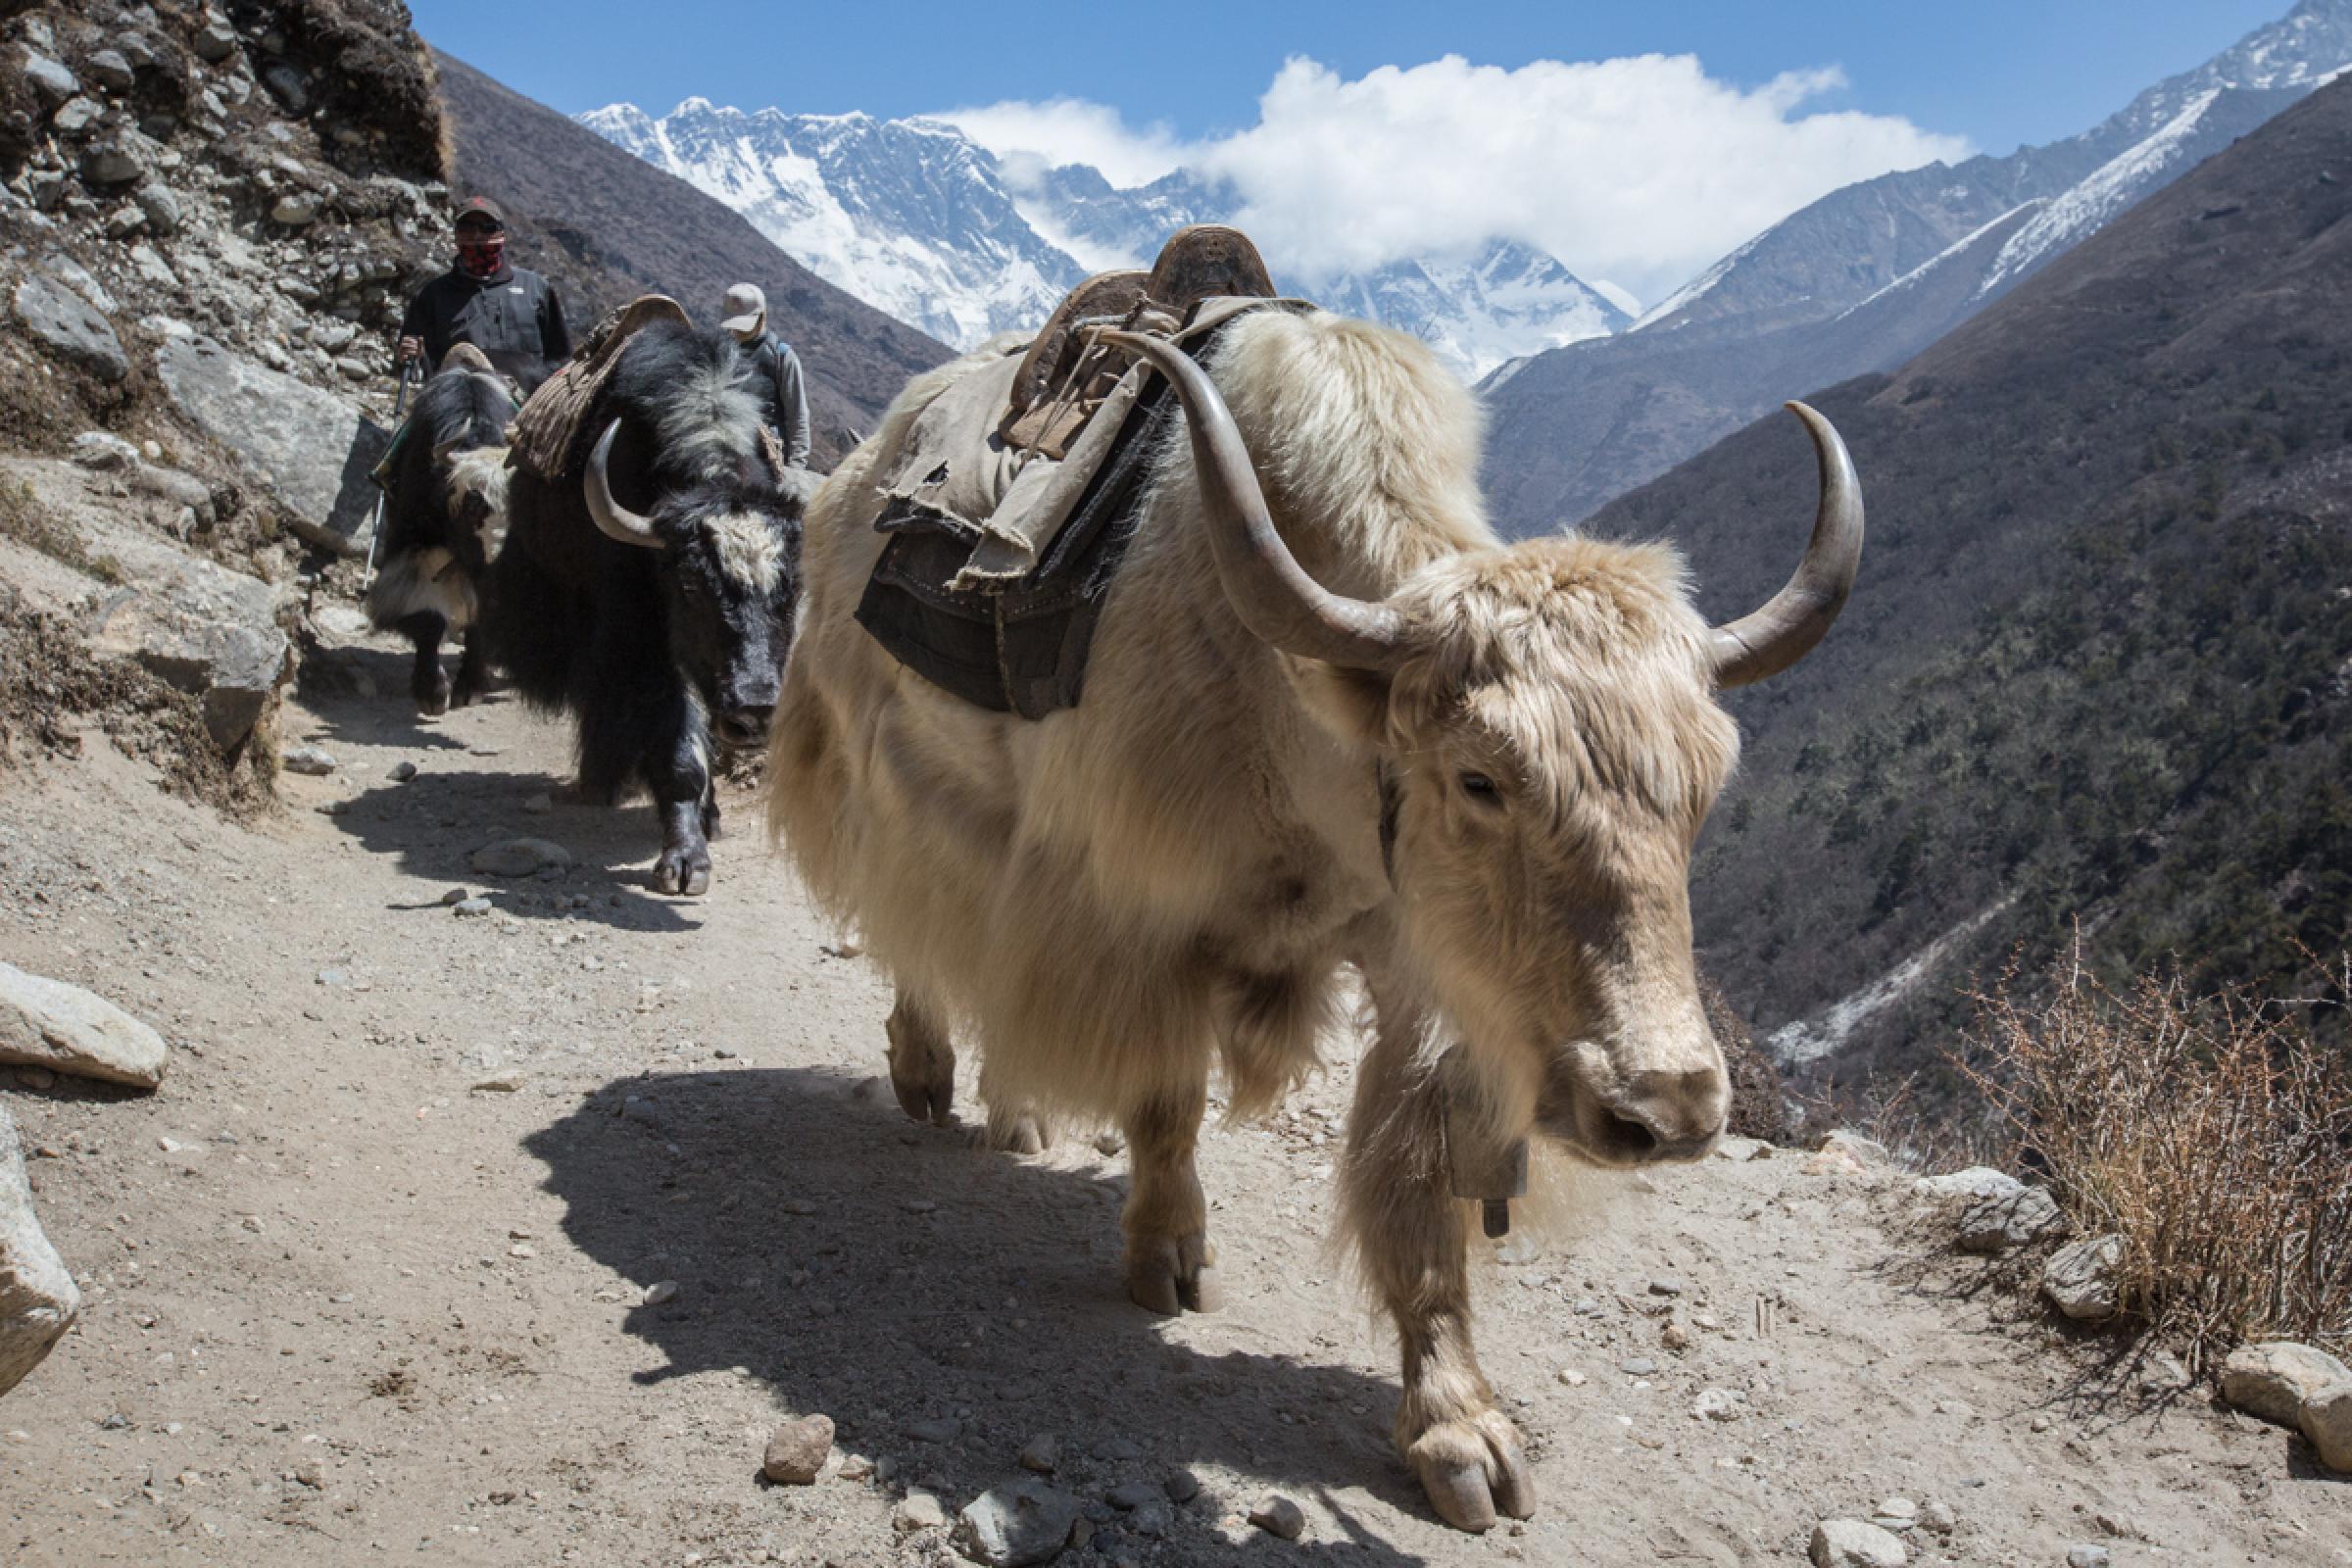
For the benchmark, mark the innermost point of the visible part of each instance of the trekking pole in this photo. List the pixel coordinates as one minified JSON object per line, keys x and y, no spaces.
{"x":375,"y":524}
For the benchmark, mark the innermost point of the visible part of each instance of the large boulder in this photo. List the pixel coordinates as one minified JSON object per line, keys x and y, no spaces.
{"x":71,"y":327}
{"x":48,"y":1023}
{"x":38,"y":1301}
{"x":1990,"y":1210}
{"x":198,"y":625}
{"x":314,"y":450}
{"x":2273,"y":1379}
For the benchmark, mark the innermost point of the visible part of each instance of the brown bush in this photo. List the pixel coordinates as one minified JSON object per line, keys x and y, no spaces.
{"x":2215,"y":1136}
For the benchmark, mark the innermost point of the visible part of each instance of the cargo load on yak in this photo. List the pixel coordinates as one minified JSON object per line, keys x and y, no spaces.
{"x":1017,"y":494}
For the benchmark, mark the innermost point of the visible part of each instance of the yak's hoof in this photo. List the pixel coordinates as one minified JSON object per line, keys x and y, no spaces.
{"x":922,"y":1068}
{"x":925,"y":1101}
{"x":431,"y":693}
{"x":1473,"y":1469}
{"x":1017,"y":1132}
{"x":1172,"y":1274}
{"x":685,"y":872}
{"x":467,"y":693}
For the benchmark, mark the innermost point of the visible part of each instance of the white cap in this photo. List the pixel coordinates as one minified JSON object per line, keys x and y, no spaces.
{"x":745,"y":307}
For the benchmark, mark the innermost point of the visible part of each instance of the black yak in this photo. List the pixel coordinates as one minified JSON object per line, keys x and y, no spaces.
{"x":444,"y":513}
{"x":653,"y":597}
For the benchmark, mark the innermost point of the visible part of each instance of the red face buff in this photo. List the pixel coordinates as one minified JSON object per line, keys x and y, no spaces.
{"x":481,"y":252}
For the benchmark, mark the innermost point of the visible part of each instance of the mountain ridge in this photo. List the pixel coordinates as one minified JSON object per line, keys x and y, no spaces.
{"x":922,"y":221}
{"x":1576,"y":427}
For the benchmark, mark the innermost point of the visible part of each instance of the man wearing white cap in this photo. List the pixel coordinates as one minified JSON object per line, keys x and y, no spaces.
{"x":775,"y":369}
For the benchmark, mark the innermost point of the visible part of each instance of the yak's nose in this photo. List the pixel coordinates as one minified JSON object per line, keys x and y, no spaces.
{"x":1667,"y":1115}
{"x":746,"y":725}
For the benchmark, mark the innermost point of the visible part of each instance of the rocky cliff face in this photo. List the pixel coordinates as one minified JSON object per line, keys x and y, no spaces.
{"x":209,"y":219}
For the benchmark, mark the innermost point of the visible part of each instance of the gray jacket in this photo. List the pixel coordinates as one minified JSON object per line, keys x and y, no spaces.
{"x":776,"y":374}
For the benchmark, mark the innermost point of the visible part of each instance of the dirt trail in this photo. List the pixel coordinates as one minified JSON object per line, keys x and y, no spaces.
{"x":366,"y":1277}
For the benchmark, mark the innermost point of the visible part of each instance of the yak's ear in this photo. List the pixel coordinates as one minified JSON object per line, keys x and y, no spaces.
{"x":1353,"y":703}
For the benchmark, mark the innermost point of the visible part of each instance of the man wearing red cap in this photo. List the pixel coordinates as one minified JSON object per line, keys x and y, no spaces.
{"x":511,"y":315}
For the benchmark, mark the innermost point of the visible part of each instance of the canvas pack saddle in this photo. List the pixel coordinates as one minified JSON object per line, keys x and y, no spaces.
{"x":1015,"y":499}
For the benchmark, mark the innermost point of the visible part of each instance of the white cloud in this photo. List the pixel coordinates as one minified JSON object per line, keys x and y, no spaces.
{"x":1071,"y":130}
{"x":1643,"y":170}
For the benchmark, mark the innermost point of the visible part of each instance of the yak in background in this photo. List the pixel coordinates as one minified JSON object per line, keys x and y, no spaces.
{"x":651,"y":598}
{"x":445,"y":511}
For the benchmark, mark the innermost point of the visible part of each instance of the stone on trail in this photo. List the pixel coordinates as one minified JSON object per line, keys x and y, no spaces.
{"x":2080,"y":1278}
{"x":1851,"y":1543}
{"x":2272,"y":1380}
{"x":918,"y":1512}
{"x":2328,"y":1423}
{"x":1990,"y":1210}
{"x":520,"y":857}
{"x":658,"y":1291}
{"x":1015,"y":1524}
{"x":1867,"y":1152}
{"x":1278,"y":1516}
{"x":1041,"y":1453}
{"x":471,"y":908}
{"x":2088,"y":1554}
{"x":1718,"y":1404}
{"x":942,"y":1430}
{"x":38,"y":1300}
{"x":48,"y":1023}
{"x":311,"y":761}
{"x":796,"y":1453}
{"x":1999,"y":1224}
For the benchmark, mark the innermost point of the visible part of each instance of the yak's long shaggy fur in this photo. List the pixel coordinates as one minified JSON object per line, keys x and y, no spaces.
{"x":1174,"y":871}
{"x":691,"y":392}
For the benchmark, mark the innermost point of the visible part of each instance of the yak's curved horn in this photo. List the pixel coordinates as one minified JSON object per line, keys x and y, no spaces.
{"x":1766,"y":641}
{"x":1264,"y":581}
{"x":616,"y":520}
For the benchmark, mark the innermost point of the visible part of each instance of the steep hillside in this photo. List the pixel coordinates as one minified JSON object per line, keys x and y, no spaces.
{"x":1865,"y":277}
{"x":608,"y":226}
{"x":209,"y":217}
{"x":2099,"y":664}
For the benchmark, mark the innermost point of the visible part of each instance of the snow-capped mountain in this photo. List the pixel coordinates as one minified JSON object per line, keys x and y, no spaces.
{"x":915,"y":218}
{"x":909,"y":214}
{"x":1880,"y":230}
{"x":1507,"y":301}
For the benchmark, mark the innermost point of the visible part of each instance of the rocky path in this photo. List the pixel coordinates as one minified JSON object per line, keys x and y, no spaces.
{"x":511,"y":1237}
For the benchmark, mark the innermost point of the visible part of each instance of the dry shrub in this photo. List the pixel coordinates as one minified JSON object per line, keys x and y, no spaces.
{"x":2215,"y":1136}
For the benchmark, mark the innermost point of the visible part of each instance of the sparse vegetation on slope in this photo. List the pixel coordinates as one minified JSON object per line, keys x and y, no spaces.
{"x":2214,"y":1137}
{"x":2096,"y":665}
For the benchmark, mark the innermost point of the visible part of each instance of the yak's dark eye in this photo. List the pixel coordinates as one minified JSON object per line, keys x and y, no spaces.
{"x":1481,"y":789}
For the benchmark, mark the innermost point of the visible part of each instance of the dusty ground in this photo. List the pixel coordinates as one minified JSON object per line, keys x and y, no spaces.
{"x":364,"y":1279}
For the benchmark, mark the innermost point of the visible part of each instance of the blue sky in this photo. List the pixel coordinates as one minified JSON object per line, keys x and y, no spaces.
{"x":1997,"y":72}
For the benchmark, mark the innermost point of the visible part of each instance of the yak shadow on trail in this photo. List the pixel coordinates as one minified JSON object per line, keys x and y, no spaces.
{"x":434,"y":821}
{"x":888,"y":1275}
